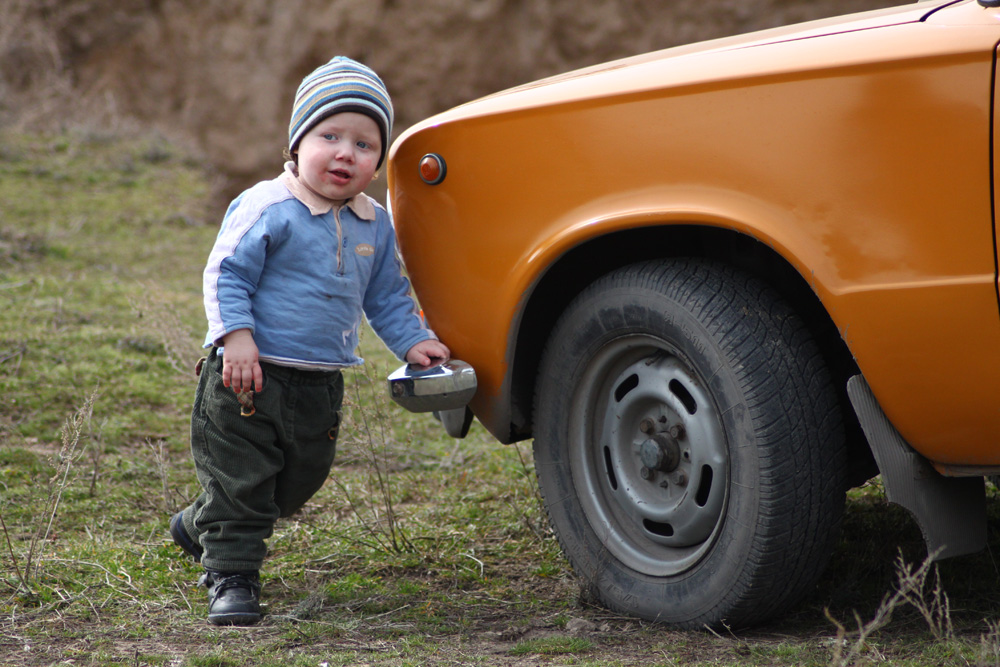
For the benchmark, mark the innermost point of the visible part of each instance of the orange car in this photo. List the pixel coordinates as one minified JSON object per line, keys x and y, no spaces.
{"x":719,"y":285}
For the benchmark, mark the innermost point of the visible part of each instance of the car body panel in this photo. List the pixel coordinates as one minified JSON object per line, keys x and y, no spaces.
{"x":858,"y":149}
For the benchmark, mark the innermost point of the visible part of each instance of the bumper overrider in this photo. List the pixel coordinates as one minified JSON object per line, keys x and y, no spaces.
{"x":444,"y":389}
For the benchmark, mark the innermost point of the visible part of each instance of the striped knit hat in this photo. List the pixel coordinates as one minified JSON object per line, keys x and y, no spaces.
{"x":338,"y":86}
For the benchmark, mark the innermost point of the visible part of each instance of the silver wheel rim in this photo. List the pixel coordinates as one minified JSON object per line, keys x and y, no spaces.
{"x":638,"y":403}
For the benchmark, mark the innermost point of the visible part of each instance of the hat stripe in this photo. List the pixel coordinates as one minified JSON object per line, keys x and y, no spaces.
{"x":343,"y":67}
{"x":332,"y":85}
{"x":320,"y":104}
{"x":320,"y":76}
{"x":358,"y":94}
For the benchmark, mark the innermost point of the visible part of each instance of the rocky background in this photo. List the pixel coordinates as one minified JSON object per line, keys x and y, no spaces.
{"x":219,"y":75}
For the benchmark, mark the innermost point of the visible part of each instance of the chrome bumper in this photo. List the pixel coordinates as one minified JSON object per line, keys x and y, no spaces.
{"x":449,"y":385}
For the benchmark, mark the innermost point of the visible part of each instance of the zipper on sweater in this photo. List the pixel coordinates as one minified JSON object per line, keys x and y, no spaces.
{"x":341,"y":242}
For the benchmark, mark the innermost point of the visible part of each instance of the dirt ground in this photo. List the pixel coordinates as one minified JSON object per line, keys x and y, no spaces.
{"x":484,"y":633}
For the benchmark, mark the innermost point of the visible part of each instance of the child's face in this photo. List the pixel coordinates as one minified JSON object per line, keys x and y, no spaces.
{"x":338,"y":157}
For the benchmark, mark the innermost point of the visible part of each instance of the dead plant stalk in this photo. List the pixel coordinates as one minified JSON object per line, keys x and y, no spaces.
{"x":70,"y":436}
{"x":385,"y":527}
{"x":910,"y":590}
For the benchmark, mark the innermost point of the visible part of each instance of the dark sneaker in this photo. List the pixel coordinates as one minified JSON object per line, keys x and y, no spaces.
{"x":182,"y":539}
{"x":233,"y":597}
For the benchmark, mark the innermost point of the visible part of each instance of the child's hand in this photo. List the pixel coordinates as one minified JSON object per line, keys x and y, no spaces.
{"x":240,"y":367}
{"x":427,"y":352}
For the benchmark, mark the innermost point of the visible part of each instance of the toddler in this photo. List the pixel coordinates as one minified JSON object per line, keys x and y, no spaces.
{"x":297,"y":263}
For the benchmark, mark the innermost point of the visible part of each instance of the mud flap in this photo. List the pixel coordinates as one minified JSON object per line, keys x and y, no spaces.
{"x":456,"y":422}
{"x":951,"y":511}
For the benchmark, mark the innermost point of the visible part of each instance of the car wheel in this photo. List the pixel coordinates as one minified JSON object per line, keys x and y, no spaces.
{"x":688,"y":445}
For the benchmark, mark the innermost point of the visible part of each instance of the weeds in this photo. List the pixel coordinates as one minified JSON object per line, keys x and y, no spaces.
{"x":540,"y":527}
{"x":96,"y":450}
{"x":553,"y":646}
{"x":989,"y":644}
{"x":910,"y":591}
{"x":160,"y":459}
{"x":18,"y":571}
{"x":72,"y":431}
{"x":378,"y":516}
{"x":156,"y":316}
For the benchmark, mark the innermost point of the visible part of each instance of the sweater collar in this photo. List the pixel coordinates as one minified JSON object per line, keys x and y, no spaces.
{"x":361,"y":204}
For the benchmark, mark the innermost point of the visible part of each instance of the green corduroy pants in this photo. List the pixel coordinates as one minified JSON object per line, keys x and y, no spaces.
{"x":258,"y":468}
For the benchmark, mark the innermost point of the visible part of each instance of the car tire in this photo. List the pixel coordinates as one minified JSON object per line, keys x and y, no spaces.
{"x":689,"y":445}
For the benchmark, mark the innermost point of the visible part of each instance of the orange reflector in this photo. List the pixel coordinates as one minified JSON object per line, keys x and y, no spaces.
{"x":432,"y":169}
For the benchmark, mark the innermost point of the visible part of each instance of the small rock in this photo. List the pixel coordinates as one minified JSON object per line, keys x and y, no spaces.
{"x":580,"y":626}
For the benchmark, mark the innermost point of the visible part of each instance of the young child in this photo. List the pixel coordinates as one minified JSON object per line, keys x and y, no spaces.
{"x":297,"y":262}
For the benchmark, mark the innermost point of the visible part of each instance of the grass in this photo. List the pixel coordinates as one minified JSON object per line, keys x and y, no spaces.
{"x":420,"y":550}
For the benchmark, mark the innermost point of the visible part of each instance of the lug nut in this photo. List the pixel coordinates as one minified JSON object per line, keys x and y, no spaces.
{"x":646,"y":473}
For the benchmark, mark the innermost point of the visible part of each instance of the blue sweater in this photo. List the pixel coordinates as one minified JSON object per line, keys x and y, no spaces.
{"x":300,"y":274}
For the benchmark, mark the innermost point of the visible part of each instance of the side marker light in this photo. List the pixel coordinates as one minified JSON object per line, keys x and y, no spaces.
{"x":432,"y":169}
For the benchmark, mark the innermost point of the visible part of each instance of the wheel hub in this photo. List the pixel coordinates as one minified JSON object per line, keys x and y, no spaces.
{"x":655,"y":477}
{"x":661,"y":453}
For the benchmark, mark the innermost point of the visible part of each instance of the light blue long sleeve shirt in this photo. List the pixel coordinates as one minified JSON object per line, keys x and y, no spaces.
{"x":300,"y":273}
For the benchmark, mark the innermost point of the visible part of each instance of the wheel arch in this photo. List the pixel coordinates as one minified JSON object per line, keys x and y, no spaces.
{"x":587,"y":261}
